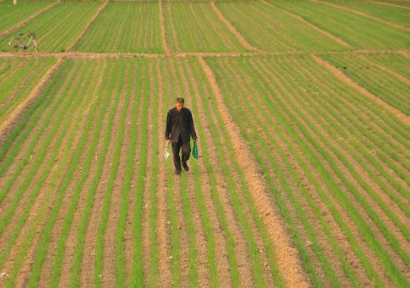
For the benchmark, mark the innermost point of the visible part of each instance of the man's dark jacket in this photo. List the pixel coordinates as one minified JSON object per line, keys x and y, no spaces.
{"x":179,"y":123}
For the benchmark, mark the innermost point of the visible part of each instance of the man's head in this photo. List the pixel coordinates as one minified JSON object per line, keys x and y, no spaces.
{"x":180,"y":103}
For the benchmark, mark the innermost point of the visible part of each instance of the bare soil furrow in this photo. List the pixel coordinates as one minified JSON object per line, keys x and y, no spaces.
{"x":262,"y":121}
{"x":339,"y":74}
{"x":87,"y":276}
{"x":391,"y":24}
{"x":27,"y":20}
{"x":163,"y":229}
{"x":163,"y":31}
{"x":147,"y":206}
{"x":80,"y":215}
{"x":87,"y":27}
{"x":287,"y":256}
{"x":13,"y":119}
{"x":335,"y":176}
{"x":221,"y":248}
{"x":307,"y":23}
{"x":231,"y":28}
{"x":109,"y":272}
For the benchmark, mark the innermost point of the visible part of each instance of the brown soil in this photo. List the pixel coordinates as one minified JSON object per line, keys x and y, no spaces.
{"x":27,"y":20}
{"x":403,"y":117}
{"x":231,"y":28}
{"x":87,"y":27}
{"x":163,"y":31}
{"x":321,"y":31}
{"x":287,"y":256}
{"x":163,"y":229}
{"x":397,"y":26}
{"x":88,"y":259}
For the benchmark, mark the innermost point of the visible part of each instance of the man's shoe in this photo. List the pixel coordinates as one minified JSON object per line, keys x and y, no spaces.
{"x":186,"y":168}
{"x":177,"y":172}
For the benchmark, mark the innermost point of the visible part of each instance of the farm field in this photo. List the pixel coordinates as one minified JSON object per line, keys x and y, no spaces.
{"x":195,"y":27}
{"x":356,"y":30}
{"x":124,"y":27}
{"x":58,"y":27}
{"x":11,"y":17}
{"x":302,"y":111}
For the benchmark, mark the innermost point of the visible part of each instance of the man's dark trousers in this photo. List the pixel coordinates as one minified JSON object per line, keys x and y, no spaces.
{"x":186,"y":151}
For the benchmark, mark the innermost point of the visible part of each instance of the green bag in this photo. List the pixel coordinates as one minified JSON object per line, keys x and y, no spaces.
{"x":195,"y":152}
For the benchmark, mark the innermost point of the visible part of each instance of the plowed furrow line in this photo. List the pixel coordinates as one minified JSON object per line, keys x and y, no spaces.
{"x":113,"y":273}
{"x":236,"y":250}
{"x":171,"y":26}
{"x":185,"y":246}
{"x":6,"y":127}
{"x":21,"y":236}
{"x":391,"y":24}
{"x":18,"y":203}
{"x":163,"y":31}
{"x":47,"y":198}
{"x":318,"y":29}
{"x":343,"y":77}
{"x":162,"y":227}
{"x":202,"y":261}
{"x":231,"y":28}
{"x":68,"y":273}
{"x":87,"y":27}
{"x":27,"y":20}
{"x":252,"y":226}
{"x":294,"y":275}
{"x":337,"y":174}
{"x":219,"y":256}
{"x":290,"y":121}
{"x":358,"y":162}
{"x":23,"y":149}
{"x":285,"y":184}
{"x":379,"y":208}
{"x":138,"y":200}
{"x":89,"y":257}
{"x":70,"y":211}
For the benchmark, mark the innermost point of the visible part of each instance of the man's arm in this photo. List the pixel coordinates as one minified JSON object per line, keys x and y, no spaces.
{"x":192,"y":127}
{"x":168,"y":127}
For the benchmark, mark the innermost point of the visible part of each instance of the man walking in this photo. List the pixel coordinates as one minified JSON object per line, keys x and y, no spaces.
{"x":179,"y":129}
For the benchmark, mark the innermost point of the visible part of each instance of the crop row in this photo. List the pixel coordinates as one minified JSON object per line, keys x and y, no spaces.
{"x":18,"y":76}
{"x":377,"y":74}
{"x":58,"y":27}
{"x":358,"y":31}
{"x":11,"y":15}
{"x":389,"y":13}
{"x":341,"y":189}
{"x":197,"y":27}
{"x":125,"y":27}
{"x":74,"y":206}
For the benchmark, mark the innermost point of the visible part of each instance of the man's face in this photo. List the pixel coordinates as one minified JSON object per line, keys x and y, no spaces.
{"x":179,"y":106}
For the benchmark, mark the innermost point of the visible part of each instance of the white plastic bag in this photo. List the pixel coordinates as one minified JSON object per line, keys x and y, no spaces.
{"x":166,"y":155}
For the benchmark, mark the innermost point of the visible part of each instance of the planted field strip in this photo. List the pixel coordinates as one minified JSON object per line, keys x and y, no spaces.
{"x":18,"y":76}
{"x":196,"y":27}
{"x":12,"y":15}
{"x":390,"y":86}
{"x":396,"y":15}
{"x":268,"y":28}
{"x":341,"y":189}
{"x":356,"y":30}
{"x":87,"y":199}
{"x":58,"y":27}
{"x":125,"y":27}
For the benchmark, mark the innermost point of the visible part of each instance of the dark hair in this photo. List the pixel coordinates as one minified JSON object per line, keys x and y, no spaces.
{"x":180,"y":100}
